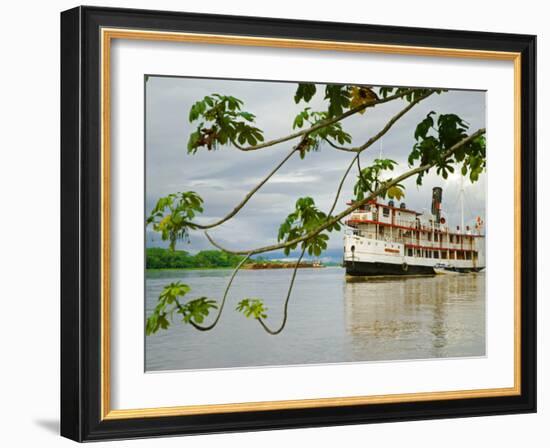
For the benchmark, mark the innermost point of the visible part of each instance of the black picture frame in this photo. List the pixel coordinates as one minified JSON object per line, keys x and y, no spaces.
{"x":81,"y":224}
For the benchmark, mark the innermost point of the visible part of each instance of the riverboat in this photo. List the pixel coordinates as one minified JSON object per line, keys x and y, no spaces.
{"x":384,"y":239}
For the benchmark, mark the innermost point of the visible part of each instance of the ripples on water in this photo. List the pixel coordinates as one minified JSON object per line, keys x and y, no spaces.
{"x":330,"y":320}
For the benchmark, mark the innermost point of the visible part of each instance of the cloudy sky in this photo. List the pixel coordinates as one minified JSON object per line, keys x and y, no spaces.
{"x":222,"y":178}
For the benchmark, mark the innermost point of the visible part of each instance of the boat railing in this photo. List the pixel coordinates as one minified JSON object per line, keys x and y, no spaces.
{"x":394,"y":237}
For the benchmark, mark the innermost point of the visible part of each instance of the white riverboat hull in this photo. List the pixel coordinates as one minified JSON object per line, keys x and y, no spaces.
{"x":372,"y":257}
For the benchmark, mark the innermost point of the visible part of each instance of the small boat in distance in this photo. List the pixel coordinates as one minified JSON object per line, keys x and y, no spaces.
{"x":382,"y":239}
{"x":275,"y":264}
{"x":445,"y":269}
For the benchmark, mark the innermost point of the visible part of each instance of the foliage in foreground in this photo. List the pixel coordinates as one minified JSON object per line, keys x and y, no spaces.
{"x":168,"y":304}
{"x":442,"y":143}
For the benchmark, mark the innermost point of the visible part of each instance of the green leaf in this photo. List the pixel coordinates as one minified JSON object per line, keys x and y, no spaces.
{"x":222,"y":122}
{"x":252,"y":307}
{"x":305,"y":219}
{"x":339,"y":99}
{"x":431,"y":149}
{"x":173,"y":214}
{"x":167,"y":297}
{"x":197,"y":310}
{"x":424,"y":126}
{"x":305,"y":91}
{"x":370,"y":178}
{"x":395,"y":192}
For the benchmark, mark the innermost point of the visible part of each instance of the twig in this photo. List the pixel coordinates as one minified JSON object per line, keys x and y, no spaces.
{"x":339,"y":190}
{"x":324,"y":123}
{"x":359,"y":149}
{"x":251,"y":193}
{"x":369,"y":143}
{"x":213,"y":324}
{"x":385,"y":129}
{"x":287,"y":300}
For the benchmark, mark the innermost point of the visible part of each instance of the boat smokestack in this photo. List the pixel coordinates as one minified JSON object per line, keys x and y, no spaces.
{"x":437,"y":195}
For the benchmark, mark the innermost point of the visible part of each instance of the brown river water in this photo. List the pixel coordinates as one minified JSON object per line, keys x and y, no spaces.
{"x":330,"y":320}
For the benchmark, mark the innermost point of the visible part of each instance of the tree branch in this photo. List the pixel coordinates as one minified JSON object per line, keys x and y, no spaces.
{"x":251,"y":193}
{"x":353,"y":207}
{"x":324,"y":123}
{"x":384,"y":130}
{"x":287,"y":300}
{"x":358,"y":149}
{"x":340,"y":186}
{"x":213,"y":324}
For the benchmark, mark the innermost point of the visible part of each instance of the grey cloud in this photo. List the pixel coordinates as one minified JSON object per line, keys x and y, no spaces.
{"x":223,"y":177}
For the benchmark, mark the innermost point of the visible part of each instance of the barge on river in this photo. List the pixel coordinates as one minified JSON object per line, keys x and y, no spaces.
{"x":385,"y":239}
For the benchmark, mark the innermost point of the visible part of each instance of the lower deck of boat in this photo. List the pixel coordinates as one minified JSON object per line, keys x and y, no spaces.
{"x":362,"y":268}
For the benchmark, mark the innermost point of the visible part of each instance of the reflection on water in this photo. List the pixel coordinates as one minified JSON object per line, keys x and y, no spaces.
{"x":433,"y":317}
{"x":330,"y":320}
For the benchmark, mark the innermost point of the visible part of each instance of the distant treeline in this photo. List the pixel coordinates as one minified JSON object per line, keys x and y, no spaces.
{"x":158,"y":258}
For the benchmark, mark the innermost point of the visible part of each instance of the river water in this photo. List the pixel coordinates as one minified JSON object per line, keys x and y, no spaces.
{"x":331,"y":320}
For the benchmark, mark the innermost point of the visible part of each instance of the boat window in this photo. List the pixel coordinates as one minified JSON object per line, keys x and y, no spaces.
{"x":436,"y":254}
{"x":410,"y":253}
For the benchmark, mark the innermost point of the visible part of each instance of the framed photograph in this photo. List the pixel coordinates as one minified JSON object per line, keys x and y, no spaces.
{"x":276,"y":224}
